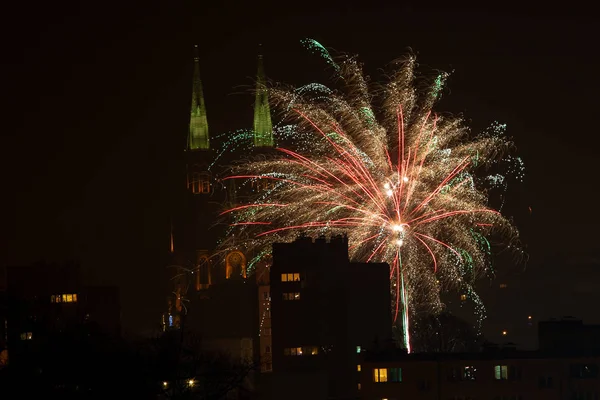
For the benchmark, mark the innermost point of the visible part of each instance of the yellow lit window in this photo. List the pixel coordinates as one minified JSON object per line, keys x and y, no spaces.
{"x":69,"y":298}
{"x":74,"y":297}
{"x":359,"y":386}
{"x":463,"y":297}
{"x":26,"y":336}
{"x":53,"y":299}
{"x":358,"y":367}
{"x":380,"y":375}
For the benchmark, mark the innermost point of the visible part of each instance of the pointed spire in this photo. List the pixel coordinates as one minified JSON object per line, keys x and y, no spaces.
{"x":263,"y":129}
{"x":198,"y":138}
{"x":172,"y":242}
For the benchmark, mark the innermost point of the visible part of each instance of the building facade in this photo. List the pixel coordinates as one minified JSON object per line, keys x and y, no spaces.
{"x":325,"y":312}
{"x":45,"y":301}
{"x":499,"y":375}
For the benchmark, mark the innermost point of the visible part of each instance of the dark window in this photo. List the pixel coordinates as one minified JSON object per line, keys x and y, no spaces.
{"x":584,"y":371}
{"x":395,"y":375}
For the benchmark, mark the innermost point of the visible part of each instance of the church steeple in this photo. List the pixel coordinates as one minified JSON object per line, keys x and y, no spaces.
{"x":263,"y":129}
{"x":198,"y":138}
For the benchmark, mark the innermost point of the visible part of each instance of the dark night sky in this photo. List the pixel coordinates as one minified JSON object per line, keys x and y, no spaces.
{"x":96,"y":98}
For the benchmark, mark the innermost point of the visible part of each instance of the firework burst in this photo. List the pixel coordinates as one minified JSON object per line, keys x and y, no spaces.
{"x":408,"y":186}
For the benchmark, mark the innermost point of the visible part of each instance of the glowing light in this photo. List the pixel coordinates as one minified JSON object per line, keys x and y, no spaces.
{"x":398,"y":228}
{"x":504,"y":333}
{"x":327,"y":180}
{"x":165,"y":384}
{"x":191,"y":382}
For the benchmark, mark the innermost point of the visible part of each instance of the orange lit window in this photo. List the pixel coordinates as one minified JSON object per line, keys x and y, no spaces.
{"x":290,"y":277}
{"x":463,"y":297}
{"x":358,"y":367}
{"x":199,"y":183}
{"x":503,"y":286}
{"x":263,"y":184}
{"x":380,"y":375}
{"x":310,"y":350}
{"x":292,"y":351}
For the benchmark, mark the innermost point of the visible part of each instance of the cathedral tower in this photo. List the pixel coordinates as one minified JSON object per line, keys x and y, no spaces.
{"x":198,"y":138}
{"x":263,"y":129}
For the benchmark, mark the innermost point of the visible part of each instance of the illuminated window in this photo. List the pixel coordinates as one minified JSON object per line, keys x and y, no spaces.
{"x":359,"y":386}
{"x":64,"y":298}
{"x":358,"y":367}
{"x":380,"y":375}
{"x":291,"y":296}
{"x":290,"y":277}
{"x":463,"y":297}
{"x":501,"y":372}
{"x":310,"y":350}
{"x":292,"y":351}
{"x":503,"y":286}
{"x":263,"y":184}
{"x":26,"y":336}
{"x":199,"y":183}
{"x":358,"y":349}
